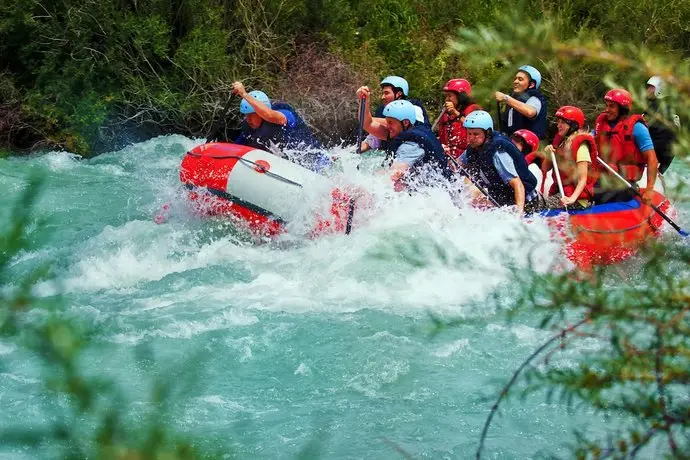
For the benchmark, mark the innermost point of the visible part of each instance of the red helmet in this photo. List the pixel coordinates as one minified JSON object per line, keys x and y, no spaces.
{"x":620,"y":97}
{"x":572,"y":114}
{"x":530,"y":139}
{"x":459,"y":85}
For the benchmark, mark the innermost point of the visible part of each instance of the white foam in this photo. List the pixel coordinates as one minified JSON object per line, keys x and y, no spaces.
{"x":7,"y":349}
{"x":408,"y":254}
{"x":452,"y":348}
{"x":302,"y":369}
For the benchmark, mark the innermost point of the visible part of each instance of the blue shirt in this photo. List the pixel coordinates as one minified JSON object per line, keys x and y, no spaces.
{"x":409,"y":153}
{"x":643,"y":140}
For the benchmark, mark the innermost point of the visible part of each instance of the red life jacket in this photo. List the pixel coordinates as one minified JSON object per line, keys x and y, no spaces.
{"x":617,"y":146}
{"x":567,"y":166}
{"x":451,"y":132}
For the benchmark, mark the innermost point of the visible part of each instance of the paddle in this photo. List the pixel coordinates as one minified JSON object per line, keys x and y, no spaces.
{"x":500,"y":119}
{"x":479,"y":187}
{"x":558,"y":175}
{"x":360,"y":132}
{"x":636,"y":191}
{"x":443,"y":110}
{"x":216,"y":126}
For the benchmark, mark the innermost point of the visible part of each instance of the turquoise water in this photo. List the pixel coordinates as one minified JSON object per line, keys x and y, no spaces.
{"x":286,"y":342}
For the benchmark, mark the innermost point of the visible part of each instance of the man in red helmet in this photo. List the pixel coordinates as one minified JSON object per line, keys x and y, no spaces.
{"x":576,"y":154}
{"x":624,"y":142}
{"x":459,"y":104}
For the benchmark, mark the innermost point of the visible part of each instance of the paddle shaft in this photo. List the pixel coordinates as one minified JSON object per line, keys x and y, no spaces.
{"x":443,"y":110}
{"x":500,"y":118}
{"x":360,"y":131}
{"x":481,"y":189}
{"x":636,"y":191}
{"x":216,"y":126}
{"x":557,"y":173}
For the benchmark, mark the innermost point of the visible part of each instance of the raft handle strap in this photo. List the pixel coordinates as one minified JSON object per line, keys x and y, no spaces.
{"x":256,"y":165}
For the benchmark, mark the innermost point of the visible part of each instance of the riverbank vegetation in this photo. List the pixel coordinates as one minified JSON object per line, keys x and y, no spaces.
{"x":88,"y":76}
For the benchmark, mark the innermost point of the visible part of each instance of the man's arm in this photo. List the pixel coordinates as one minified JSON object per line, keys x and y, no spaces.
{"x":530,"y":109}
{"x":519,"y":191}
{"x":269,"y":115}
{"x":375,"y":126}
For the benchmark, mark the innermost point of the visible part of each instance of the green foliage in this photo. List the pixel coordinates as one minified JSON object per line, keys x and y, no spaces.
{"x":168,"y":65}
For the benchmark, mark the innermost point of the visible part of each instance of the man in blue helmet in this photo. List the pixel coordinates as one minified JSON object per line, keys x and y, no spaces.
{"x":277,"y":126}
{"x":393,"y":88}
{"x":526,"y":106}
{"x":492,"y":161}
{"x":410,"y":147}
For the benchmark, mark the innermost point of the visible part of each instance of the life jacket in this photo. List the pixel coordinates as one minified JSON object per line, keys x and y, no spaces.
{"x":285,"y":137}
{"x":433,"y":150}
{"x":379,"y":114}
{"x":662,"y":135}
{"x":618,"y":148}
{"x":451,"y":132}
{"x":537,"y":124}
{"x":567,"y":153}
{"x":481,"y":168}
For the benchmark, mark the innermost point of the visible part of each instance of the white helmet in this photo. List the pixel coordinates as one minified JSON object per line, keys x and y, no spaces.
{"x":658,"y":85}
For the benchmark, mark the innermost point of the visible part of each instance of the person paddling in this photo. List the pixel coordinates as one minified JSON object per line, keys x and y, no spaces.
{"x":411,"y":148}
{"x":624,"y":143}
{"x":393,"y":88}
{"x":458,"y":104}
{"x":494,"y":162}
{"x":526,"y":106}
{"x":276,"y":125}
{"x":659,"y":118}
{"x":576,"y":154}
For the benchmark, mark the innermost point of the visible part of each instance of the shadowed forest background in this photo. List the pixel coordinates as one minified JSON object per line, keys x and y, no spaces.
{"x":91,"y":76}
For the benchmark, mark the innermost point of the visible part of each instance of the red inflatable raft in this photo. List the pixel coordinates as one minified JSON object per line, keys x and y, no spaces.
{"x":610,"y":233}
{"x":261,"y":190}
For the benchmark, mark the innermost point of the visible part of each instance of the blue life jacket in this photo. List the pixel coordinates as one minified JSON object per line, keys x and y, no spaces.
{"x":296,"y":137}
{"x":434,"y":154}
{"x":480,"y":166}
{"x":537,"y":124}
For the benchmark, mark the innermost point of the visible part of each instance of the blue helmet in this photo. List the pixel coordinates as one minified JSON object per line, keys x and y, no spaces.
{"x":260,"y":96}
{"x":397,"y":82}
{"x":478,"y":119}
{"x":533,"y":73}
{"x":400,"y":110}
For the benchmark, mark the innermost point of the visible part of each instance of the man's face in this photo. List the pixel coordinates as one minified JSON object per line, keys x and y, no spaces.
{"x":613,"y":110}
{"x":476,"y":137}
{"x":395,"y":126}
{"x":253,"y":120}
{"x":521,"y":82}
{"x":650,"y":92}
{"x":387,"y":95}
